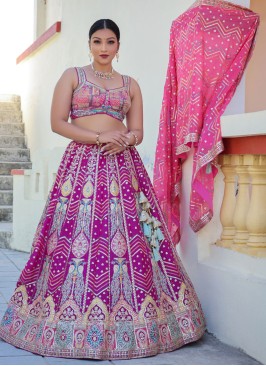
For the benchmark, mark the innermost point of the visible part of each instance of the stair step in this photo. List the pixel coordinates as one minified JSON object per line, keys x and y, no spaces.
{"x":10,"y":116}
{"x":6,"y":231}
{"x":6,"y":167}
{"x":12,"y":141}
{"x":14,"y":129}
{"x":14,"y":154}
{"x":10,"y":106}
{"x":6,"y":213}
{"x":6,"y":182}
{"x":9,"y":98}
{"x":6,"y":198}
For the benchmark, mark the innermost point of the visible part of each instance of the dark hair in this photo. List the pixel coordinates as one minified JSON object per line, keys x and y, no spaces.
{"x":105,"y":24}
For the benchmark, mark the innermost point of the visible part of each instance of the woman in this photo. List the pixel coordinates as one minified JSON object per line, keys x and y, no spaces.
{"x":103,"y":280}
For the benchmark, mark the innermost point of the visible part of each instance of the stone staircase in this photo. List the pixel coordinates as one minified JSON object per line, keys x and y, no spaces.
{"x":13,"y":155}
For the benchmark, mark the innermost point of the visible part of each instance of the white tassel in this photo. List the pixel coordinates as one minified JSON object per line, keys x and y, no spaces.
{"x":142,"y":198}
{"x":144,"y":216}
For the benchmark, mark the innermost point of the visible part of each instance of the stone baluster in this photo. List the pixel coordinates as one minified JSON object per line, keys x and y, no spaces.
{"x":229,"y":200}
{"x":242,"y":199}
{"x":256,"y":217}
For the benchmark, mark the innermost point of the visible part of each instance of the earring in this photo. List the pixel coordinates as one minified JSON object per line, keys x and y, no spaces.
{"x":117,"y":56}
{"x":90,"y":55}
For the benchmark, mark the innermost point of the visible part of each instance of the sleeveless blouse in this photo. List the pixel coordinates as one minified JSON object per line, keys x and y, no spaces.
{"x":89,"y":99}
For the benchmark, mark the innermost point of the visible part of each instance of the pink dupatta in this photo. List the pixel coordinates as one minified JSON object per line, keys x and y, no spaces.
{"x":210,"y":45}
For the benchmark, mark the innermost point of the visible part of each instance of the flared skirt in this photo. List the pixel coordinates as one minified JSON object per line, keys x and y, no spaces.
{"x":103,"y":279}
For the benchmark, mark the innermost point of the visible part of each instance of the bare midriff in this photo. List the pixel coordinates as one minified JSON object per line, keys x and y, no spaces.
{"x":99,"y":123}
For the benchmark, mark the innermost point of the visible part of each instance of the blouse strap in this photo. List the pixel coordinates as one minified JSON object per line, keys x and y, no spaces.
{"x":81,"y":74}
{"x":126,"y":80}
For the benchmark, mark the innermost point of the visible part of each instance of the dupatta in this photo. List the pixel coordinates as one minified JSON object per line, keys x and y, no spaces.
{"x":210,"y":45}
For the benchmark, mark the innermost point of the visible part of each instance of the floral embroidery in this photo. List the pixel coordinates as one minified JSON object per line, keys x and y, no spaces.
{"x":121,"y":284}
{"x":125,"y":336}
{"x":74,"y":283}
{"x":68,"y":314}
{"x":118,"y":244}
{"x":80,"y":246}
{"x":154,"y":333}
{"x":95,"y":337}
{"x":8,"y":317}
{"x":17,"y":298}
{"x":63,"y":334}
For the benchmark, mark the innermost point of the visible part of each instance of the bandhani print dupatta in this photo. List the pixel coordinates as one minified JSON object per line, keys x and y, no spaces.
{"x":210,"y":45}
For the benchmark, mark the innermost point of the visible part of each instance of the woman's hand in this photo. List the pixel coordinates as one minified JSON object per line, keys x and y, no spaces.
{"x":116,"y":141}
{"x":110,"y":149}
{"x":116,"y":137}
{"x":113,"y":148}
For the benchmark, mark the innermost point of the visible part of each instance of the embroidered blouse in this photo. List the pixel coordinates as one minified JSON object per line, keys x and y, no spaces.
{"x":89,"y":99}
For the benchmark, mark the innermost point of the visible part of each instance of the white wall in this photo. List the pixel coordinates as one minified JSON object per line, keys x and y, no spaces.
{"x":53,"y":12}
{"x":16,"y":34}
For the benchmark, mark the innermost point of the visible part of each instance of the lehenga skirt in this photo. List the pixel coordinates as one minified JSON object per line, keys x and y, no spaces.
{"x":103,"y":279}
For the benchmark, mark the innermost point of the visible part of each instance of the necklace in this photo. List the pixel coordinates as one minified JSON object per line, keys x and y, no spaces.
{"x":103,"y":75}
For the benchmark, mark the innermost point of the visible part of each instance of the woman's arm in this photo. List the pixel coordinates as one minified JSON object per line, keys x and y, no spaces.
{"x":61,"y":105}
{"x":134,"y":122}
{"x":135,"y":114}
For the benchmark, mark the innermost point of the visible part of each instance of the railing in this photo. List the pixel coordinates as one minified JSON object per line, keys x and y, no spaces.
{"x":243,"y":211}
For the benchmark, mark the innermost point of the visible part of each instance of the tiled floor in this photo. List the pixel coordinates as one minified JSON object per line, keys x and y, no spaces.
{"x":207,"y":351}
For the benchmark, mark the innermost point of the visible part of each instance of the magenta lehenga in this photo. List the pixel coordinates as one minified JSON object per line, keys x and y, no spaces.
{"x":103,"y":279}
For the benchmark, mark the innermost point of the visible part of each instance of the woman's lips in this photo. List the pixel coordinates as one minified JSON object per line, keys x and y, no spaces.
{"x":104,"y":56}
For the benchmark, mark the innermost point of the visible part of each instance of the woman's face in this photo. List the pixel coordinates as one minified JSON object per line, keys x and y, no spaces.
{"x":104,"y":46}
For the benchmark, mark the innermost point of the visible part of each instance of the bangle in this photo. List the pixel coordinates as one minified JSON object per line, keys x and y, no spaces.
{"x":136,"y":138}
{"x":97,"y":138}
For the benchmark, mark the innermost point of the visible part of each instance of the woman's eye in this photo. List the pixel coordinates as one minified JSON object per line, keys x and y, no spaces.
{"x":111,"y":42}
{"x":96,"y":41}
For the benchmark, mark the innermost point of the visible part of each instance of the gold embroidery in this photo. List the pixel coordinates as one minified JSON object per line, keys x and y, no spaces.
{"x":49,"y":309}
{"x":66,"y":188}
{"x":181,"y":297}
{"x":135,"y":183}
{"x":97,"y":311}
{"x":88,"y":190}
{"x":114,"y":188}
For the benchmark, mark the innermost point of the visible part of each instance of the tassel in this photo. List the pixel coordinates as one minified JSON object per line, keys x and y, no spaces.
{"x":156,"y":254}
{"x":156,"y":223}
{"x":155,"y":250}
{"x":142,"y":198}
{"x":160,"y":235}
{"x":147,"y":230}
{"x":146,"y":205}
{"x":144,"y":216}
{"x":150,"y":226}
{"x":153,"y":241}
